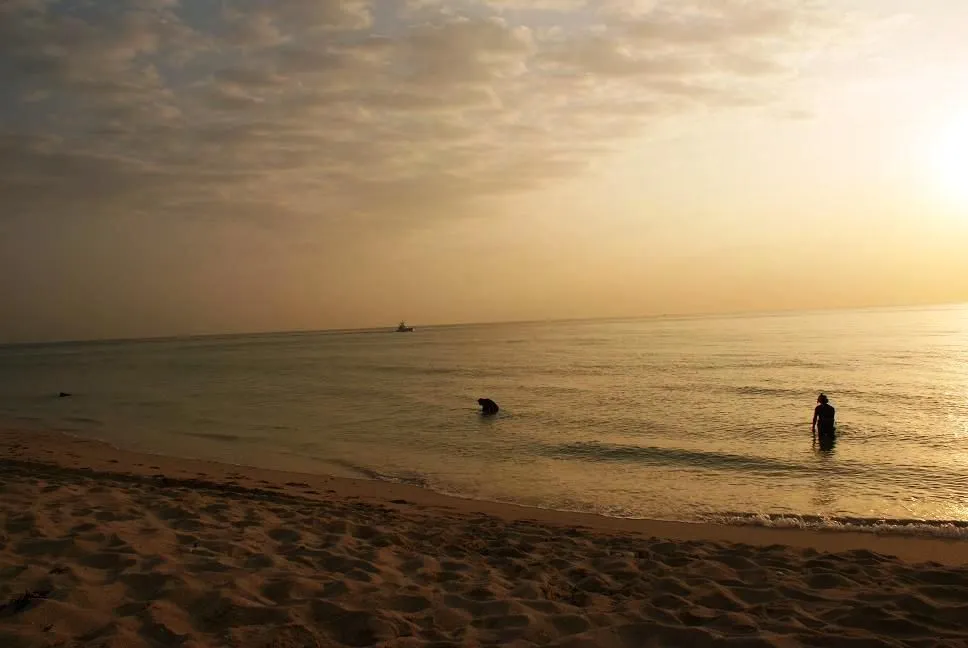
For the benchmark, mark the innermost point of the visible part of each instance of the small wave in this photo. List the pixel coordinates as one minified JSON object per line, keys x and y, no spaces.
{"x":750,"y":390}
{"x":907,"y":476}
{"x":215,"y":436}
{"x":409,"y":369}
{"x":409,"y":478}
{"x":82,"y":419}
{"x":743,"y":390}
{"x":726,"y":362}
{"x":955,"y":529}
{"x":651,"y":455}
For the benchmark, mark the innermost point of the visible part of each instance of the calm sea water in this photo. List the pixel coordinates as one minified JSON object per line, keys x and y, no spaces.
{"x":686,"y":419}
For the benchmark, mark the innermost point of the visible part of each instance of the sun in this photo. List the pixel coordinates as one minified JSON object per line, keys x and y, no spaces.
{"x":950,"y":161}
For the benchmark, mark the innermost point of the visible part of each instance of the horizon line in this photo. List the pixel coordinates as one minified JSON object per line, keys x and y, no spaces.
{"x":367,"y":329}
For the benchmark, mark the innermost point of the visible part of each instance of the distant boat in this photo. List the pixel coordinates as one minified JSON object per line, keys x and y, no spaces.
{"x":403,"y":328}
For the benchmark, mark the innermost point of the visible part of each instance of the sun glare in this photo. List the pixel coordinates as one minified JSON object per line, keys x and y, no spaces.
{"x":950,"y":167}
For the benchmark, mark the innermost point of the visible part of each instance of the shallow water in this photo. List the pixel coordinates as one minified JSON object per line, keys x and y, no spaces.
{"x":688,"y":419}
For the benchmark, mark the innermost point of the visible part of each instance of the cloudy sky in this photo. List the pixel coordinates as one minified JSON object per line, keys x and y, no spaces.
{"x":175,"y":167}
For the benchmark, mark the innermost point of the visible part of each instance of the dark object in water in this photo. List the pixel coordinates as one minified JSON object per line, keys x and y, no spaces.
{"x":827,"y":440}
{"x":488,"y":407}
{"x":63,"y":394}
{"x":403,"y":328}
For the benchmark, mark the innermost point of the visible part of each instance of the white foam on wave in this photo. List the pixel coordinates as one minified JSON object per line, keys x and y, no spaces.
{"x":952,"y":529}
{"x":949,"y":529}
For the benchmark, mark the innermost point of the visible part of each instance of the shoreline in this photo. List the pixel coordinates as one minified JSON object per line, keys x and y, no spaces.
{"x":56,"y":450}
{"x":106,"y":547}
{"x":949,"y":529}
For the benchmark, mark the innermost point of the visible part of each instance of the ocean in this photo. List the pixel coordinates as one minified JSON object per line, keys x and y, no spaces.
{"x":694,"y":419}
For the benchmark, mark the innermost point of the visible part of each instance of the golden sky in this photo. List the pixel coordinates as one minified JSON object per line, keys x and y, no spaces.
{"x":186,"y":167}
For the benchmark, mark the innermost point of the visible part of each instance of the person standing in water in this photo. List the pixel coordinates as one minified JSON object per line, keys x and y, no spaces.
{"x":823,"y":417}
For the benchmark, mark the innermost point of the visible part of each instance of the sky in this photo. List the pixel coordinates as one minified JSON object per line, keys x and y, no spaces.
{"x":216,"y":166}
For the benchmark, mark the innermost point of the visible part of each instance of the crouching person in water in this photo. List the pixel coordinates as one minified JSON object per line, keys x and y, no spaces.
{"x":823,"y":418}
{"x":488,"y":407}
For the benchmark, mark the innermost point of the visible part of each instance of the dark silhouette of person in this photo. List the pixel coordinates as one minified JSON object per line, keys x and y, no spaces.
{"x":488,"y":407}
{"x":823,"y":419}
{"x":827,"y":443}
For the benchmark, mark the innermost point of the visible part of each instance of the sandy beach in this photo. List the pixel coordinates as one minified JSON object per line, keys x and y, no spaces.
{"x":102,"y":547}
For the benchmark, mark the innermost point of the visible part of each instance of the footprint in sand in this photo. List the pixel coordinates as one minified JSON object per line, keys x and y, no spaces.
{"x":286,"y":536}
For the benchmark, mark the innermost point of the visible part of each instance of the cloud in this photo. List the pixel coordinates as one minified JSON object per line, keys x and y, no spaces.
{"x":340,"y":110}
{"x":538,"y":5}
{"x":715,"y":23}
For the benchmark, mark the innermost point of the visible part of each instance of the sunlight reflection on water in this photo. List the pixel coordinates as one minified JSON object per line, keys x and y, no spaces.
{"x":667,"y":418}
